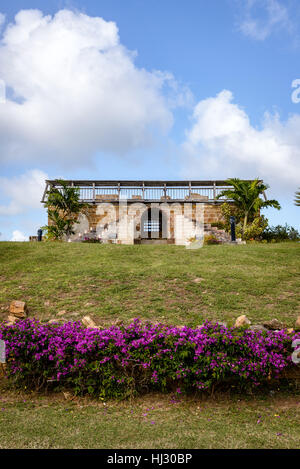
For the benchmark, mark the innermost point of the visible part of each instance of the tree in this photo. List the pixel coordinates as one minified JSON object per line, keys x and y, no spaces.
{"x":297,"y":199}
{"x":63,"y":209}
{"x":246,"y":197}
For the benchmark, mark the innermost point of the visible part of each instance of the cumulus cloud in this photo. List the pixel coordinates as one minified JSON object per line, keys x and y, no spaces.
{"x":23,"y":193}
{"x":18,"y":236}
{"x":222,"y":143}
{"x":76,"y":90}
{"x":260,"y":18}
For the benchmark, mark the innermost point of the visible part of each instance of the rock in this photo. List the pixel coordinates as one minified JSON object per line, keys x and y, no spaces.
{"x":242,"y":321}
{"x":61,"y":313}
{"x":258,"y":327}
{"x":297,"y":323}
{"x":53,"y":321}
{"x":3,"y":370}
{"x":222,"y":323}
{"x":198,"y":279}
{"x":68,"y":396}
{"x":273,"y":325}
{"x":11,"y":320}
{"x":18,"y":309}
{"x":87,"y":321}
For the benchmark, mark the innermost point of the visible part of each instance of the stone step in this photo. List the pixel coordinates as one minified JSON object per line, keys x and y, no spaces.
{"x":154,"y":241}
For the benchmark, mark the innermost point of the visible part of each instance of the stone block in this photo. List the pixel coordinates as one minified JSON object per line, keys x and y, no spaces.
{"x":18,"y":309}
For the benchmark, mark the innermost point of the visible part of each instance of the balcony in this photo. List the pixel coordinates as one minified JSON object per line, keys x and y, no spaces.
{"x":144,"y":191}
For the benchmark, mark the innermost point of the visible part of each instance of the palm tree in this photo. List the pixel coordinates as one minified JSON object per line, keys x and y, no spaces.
{"x":246,"y":196}
{"x":63,"y":209}
{"x":297,"y":199}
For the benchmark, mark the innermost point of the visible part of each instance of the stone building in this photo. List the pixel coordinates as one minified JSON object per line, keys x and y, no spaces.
{"x":141,"y":212}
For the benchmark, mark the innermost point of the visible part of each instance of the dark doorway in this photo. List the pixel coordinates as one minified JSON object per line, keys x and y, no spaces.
{"x":153,"y":224}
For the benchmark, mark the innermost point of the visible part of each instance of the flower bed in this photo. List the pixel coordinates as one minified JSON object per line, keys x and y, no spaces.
{"x":119,"y":361}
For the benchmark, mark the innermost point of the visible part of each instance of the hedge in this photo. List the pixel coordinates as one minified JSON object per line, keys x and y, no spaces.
{"x":121,"y":361}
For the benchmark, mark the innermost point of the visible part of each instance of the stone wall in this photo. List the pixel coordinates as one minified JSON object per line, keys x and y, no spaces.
{"x":122,"y":222}
{"x":212,"y":213}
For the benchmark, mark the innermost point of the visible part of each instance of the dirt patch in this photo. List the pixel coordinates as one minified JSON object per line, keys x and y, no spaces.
{"x":286,"y":295}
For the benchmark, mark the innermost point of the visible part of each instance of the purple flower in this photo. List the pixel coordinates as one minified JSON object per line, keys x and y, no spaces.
{"x":118,"y":359}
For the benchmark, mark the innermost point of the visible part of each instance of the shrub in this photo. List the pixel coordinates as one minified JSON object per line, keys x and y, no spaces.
{"x":92,"y":240}
{"x":253,"y":230}
{"x":211,"y":239}
{"x":120,"y":361}
{"x":219,"y":224}
{"x":280,"y":233}
{"x":230,"y":210}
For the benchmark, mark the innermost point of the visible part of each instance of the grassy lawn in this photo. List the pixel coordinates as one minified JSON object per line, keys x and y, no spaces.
{"x":159,"y":283}
{"x":155,"y":421}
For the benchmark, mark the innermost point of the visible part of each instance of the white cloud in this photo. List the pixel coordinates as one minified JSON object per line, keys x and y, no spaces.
{"x":2,"y":20}
{"x":222,"y":143}
{"x":260,"y":18}
{"x":76,"y":90}
{"x":18,"y":236}
{"x":23,"y":193}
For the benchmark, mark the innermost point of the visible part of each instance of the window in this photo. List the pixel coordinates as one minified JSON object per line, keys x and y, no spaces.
{"x":151,"y":226}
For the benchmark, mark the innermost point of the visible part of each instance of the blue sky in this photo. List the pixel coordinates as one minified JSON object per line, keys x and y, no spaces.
{"x":144,"y":90}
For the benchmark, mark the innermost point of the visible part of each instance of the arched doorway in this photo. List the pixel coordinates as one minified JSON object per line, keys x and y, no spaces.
{"x":153,"y":224}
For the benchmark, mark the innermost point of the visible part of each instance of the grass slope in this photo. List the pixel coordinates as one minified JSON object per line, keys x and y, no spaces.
{"x":155,"y":421}
{"x":159,"y":283}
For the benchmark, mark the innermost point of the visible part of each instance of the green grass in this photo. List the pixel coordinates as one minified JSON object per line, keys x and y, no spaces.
{"x":155,"y":421}
{"x":159,"y":283}
{"x":153,"y":282}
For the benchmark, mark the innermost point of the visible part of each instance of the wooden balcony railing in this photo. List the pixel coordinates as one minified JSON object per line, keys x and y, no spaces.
{"x":145,"y":191}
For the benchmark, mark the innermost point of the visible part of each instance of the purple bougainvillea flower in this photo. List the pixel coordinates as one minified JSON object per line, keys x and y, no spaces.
{"x":115,"y":360}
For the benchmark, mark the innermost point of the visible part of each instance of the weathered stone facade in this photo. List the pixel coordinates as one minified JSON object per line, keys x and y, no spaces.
{"x":122,"y":223}
{"x":133,"y":212}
